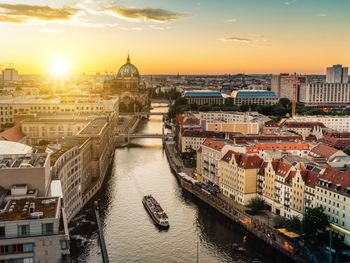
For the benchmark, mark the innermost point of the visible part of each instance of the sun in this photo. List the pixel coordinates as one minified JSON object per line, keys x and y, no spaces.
{"x":60,"y":66}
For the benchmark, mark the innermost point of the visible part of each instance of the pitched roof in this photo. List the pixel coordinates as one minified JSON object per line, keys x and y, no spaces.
{"x":243,"y":160}
{"x":340,"y":181}
{"x":250,"y":161}
{"x":323,"y":150}
{"x":282,"y":168}
{"x":203,"y":134}
{"x":301,"y":124}
{"x":13,"y":134}
{"x":271,"y":123}
{"x":310,"y":178}
{"x":216,"y":145}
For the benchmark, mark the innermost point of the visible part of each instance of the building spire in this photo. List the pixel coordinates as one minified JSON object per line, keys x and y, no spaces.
{"x":128,"y":59}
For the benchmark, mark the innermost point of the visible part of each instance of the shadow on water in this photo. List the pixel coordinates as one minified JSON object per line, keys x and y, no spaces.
{"x":131,"y":235}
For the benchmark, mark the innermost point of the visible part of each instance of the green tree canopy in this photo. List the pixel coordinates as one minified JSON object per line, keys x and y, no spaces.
{"x":314,"y":219}
{"x":256,"y":205}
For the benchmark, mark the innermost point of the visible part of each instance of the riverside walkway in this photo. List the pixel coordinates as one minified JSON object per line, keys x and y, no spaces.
{"x":255,"y":225}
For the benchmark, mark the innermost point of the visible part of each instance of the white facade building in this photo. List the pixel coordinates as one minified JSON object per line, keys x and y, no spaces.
{"x":9,"y":75}
{"x":337,"y":74}
{"x":325,"y":94}
{"x":339,"y":123}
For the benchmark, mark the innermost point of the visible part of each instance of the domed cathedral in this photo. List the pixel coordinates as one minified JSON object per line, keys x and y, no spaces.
{"x":127,"y":84}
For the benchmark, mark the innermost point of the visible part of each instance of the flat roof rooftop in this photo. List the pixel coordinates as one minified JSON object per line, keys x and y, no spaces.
{"x":94,"y":127}
{"x":14,"y":148}
{"x":16,"y":210}
{"x":25,"y":161}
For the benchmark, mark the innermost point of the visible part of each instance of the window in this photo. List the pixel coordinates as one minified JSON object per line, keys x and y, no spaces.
{"x":23,"y":230}
{"x":64,"y":244}
{"x":47,"y":228}
{"x":22,"y":260}
{"x":28,"y":247}
{"x":2,"y":231}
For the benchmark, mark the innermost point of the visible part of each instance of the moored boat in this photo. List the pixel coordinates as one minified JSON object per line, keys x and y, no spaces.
{"x":155,"y":211}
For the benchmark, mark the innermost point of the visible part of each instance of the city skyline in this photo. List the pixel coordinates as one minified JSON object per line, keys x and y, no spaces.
{"x":168,"y":37}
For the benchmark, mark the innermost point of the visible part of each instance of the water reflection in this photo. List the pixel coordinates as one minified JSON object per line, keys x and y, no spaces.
{"x":131,"y":235}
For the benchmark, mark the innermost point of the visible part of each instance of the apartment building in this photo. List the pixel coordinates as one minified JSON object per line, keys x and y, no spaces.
{"x":230,"y":116}
{"x":101,"y":132}
{"x":12,"y":108}
{"x":337,"y":123}
{"x":22,"y":164}
{"x":305,"y":129}
{"x":193,"y":139}
{"x":54,"y":128}
{"x":325,"y":94}
{"x":337,"y":74}
{"x":70,"y":164}
{"x":238,"y":176}
{"x":33,"y":229}
{"x":283,"y":84}
{"x":274,"y":186}
{"x":333,"y":194}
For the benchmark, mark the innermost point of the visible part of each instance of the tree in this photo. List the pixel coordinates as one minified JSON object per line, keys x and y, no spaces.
{"x":314,"y":220}
{"x":279,"y":221}
{"x":279,"y":110}
{"x":285,"y":102}
{"x":256,"y":205}
{"x":294,"y":224}
{"x":347,"y":150}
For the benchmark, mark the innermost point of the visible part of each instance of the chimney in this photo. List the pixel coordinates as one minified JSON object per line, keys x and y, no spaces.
{"x":32,"y":208}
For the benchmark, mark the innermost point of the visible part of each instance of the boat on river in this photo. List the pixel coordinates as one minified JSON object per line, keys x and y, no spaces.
{"x":156,"y":212}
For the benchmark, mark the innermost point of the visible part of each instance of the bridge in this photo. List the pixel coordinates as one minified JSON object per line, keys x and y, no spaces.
{"x":143,"y":114}
{"x":129,"y":136}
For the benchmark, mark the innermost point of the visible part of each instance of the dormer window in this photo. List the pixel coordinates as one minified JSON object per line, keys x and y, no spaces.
{"x":347,"y":190}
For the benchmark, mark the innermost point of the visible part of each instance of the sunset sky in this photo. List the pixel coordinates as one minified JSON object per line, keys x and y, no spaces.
{"x":171,"y":36}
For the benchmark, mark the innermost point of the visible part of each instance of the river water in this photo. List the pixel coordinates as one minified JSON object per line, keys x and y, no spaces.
{"x":131,"y":235}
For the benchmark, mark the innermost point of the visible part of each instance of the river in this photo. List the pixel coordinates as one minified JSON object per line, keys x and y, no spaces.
{"x":130,"y":234}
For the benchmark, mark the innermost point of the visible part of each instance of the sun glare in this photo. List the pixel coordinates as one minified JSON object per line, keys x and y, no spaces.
{"x":59,"y":66}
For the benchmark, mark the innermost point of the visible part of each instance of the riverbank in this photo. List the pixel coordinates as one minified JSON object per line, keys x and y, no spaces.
{"x":253,"y":225}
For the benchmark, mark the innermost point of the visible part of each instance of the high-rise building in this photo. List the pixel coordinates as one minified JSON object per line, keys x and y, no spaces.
{"x":337,"y":74}
{"x":283,"y":84}
{"x":9,"y":75}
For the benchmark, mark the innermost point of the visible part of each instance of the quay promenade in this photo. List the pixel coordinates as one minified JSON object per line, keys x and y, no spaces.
{"x":253,"y":224}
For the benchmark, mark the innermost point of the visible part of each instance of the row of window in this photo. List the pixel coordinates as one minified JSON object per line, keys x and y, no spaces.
{"x":18,"y":260}
{"x":24,"y":230}
{"x":17,"y":248}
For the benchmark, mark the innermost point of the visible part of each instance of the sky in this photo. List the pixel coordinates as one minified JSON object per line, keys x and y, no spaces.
{"x":175,"y":36}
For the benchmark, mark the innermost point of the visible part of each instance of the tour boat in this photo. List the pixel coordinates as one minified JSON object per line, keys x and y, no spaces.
{"x":155,"y":211}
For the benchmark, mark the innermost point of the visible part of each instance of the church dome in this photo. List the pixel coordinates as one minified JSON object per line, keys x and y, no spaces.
{"x":128,"y":70}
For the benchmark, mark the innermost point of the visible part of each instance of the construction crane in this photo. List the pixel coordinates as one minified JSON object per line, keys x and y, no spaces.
{"x":294,"y":102}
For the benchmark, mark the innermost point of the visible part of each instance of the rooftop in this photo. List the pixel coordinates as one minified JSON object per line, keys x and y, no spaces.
{"x":94,"y":127}
{"x":14,"y":148}
{"x":217,"y":145}
{"x":202,"y":93}
{"x":16,"y":210}
{"x":323,"y":150}
{"x":253,"y":94}
{"x":300,"y":124}
{"x":12,"y":134}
